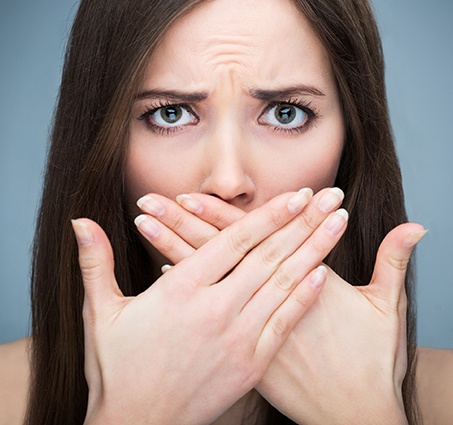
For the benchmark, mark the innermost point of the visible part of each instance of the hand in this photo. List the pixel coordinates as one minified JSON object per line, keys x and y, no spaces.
{"x":176,"y":231}
{"x":161,"y":356}
{"x":351,"y":328}
{"x":345,"y":361}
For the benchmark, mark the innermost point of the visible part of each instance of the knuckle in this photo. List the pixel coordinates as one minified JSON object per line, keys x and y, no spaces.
{"x":307,"y":222}
{"x":280,"y":326}
{"x":270,"y":254}
{"x":202,"y":239}
{"x":316,"y":245}
{"x":398,"y":263}
{"x":302,"y":300}
{"x":284,"y":279}
{"x":276,"y":218}
{"x":167,"y":245}
{"x":177,"y":222}
{"x":241,"y":241}
{"x":217,"y":218}
{"x":91,"y":267}
{"x":214,"y":321}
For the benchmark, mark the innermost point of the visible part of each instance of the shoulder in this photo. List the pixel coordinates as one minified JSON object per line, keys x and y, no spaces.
{"x":14,"y":378}
{"x":435,"y":385}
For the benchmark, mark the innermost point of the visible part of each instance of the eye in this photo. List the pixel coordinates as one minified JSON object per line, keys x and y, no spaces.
{"x":171,"y":116}
{"x":285,"y":115}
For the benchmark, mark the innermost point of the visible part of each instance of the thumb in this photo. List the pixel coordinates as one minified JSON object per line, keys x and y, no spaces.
{"x":96,"y":264}
{"x":392,"y":260}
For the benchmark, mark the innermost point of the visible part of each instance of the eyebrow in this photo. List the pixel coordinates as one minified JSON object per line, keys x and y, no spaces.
{"x":173,"y":95}
{"x":260,"y":94}
{"x":285,"y":92}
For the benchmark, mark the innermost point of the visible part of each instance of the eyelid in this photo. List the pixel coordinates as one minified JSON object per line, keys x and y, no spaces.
{"x":157,"y":104}
{"x":166,"y":130}
{"x":304,"y":106}
{"x":149,"y":111}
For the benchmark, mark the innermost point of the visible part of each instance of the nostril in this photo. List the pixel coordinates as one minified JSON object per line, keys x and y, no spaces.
{"x":215,"y":195}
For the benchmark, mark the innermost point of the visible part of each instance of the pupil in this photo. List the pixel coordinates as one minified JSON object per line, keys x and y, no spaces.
{"x":171,"y":114}
{"x":285,"y":114}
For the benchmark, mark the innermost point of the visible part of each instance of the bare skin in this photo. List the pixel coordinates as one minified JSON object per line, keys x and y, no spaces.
{"x":14,"y":376}
{"x":222,"y":134}
{"x":434,"y":377}
{"x":435,"y":385}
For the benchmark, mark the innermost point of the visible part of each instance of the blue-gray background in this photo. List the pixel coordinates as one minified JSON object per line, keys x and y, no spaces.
{"x":418,"y":43}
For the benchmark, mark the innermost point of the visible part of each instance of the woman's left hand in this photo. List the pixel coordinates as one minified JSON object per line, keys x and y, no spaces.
{"x":344,"y":363}
{"x":346,"y":359}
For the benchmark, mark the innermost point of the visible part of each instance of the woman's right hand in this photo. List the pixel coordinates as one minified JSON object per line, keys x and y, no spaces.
{"x":204,"y":333}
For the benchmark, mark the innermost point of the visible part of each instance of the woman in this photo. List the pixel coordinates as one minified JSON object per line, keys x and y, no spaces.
{"x":98,"y":137}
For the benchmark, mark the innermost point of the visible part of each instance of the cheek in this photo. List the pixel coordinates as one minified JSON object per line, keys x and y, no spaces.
{"x":323,"y":156}
{"x":157,"y":170}
{"x":316,"y":172}
{"x":311,"y":161}
{"x":321,"y":170}
{"x":135,"y":176}
{"x":141,"y":175}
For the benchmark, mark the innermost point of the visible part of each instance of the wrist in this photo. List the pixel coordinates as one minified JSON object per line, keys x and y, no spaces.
{"x":102,"y":411}
{"x":382,"y":411}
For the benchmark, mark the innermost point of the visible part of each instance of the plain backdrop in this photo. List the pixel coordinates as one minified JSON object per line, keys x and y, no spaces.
{"x":417,"y":37}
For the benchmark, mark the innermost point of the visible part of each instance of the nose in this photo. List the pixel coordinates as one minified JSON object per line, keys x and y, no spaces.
{"x":229,"y":168}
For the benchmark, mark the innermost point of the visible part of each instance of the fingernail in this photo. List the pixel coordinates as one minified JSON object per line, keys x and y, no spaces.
{"x":165,"y":268}
{"x":297,"y":202}
{"x":414,"y":238}
{"x":82,"y":233}
{"x":146,"y":225}
{"x":318,"y":277}
{"x":336,"y":221}
{"x":151,"y":205}
{"x":189,"y":203}
{"x":330,"y":200}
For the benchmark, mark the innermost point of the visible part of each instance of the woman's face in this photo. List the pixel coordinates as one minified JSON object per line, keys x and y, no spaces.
{"x":237,"y":101}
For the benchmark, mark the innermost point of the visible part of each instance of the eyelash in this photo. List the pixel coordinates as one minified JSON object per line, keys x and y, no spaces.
{"x":166,"y":131}
{"x":312,"y":116}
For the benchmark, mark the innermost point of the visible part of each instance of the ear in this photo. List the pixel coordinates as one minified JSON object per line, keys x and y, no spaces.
{"x":97,"y":265}
{"x":392,"y":260}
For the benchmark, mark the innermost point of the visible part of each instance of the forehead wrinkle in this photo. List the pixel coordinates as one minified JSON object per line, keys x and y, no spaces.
{"x":226,"y":48}
{"x":236,"y":39}
{"x":202,"y":45}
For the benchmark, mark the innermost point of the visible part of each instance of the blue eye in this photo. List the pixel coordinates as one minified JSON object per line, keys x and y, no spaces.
{"x":285,"y":115}
{"x":171,"y":116}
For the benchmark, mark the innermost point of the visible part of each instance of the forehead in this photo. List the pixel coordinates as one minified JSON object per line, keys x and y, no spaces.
{"x":254,"y":42}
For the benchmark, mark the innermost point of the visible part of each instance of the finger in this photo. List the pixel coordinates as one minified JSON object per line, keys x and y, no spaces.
{"x":210,"y":209}
{"x":186,"y":225}
{"x":265,"y":259}
{"x":221,"y":214}
{"x":165,"y":268}
{"x":165,"y":240}
{"x":223,"y":252}
{"x":96,"y":264}
{"x":285,"y":318}
{"x":392,"y":260}
{"x":296,"y":267}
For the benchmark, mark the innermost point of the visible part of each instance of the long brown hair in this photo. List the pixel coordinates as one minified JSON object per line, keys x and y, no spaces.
{"x":107,"y":52}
